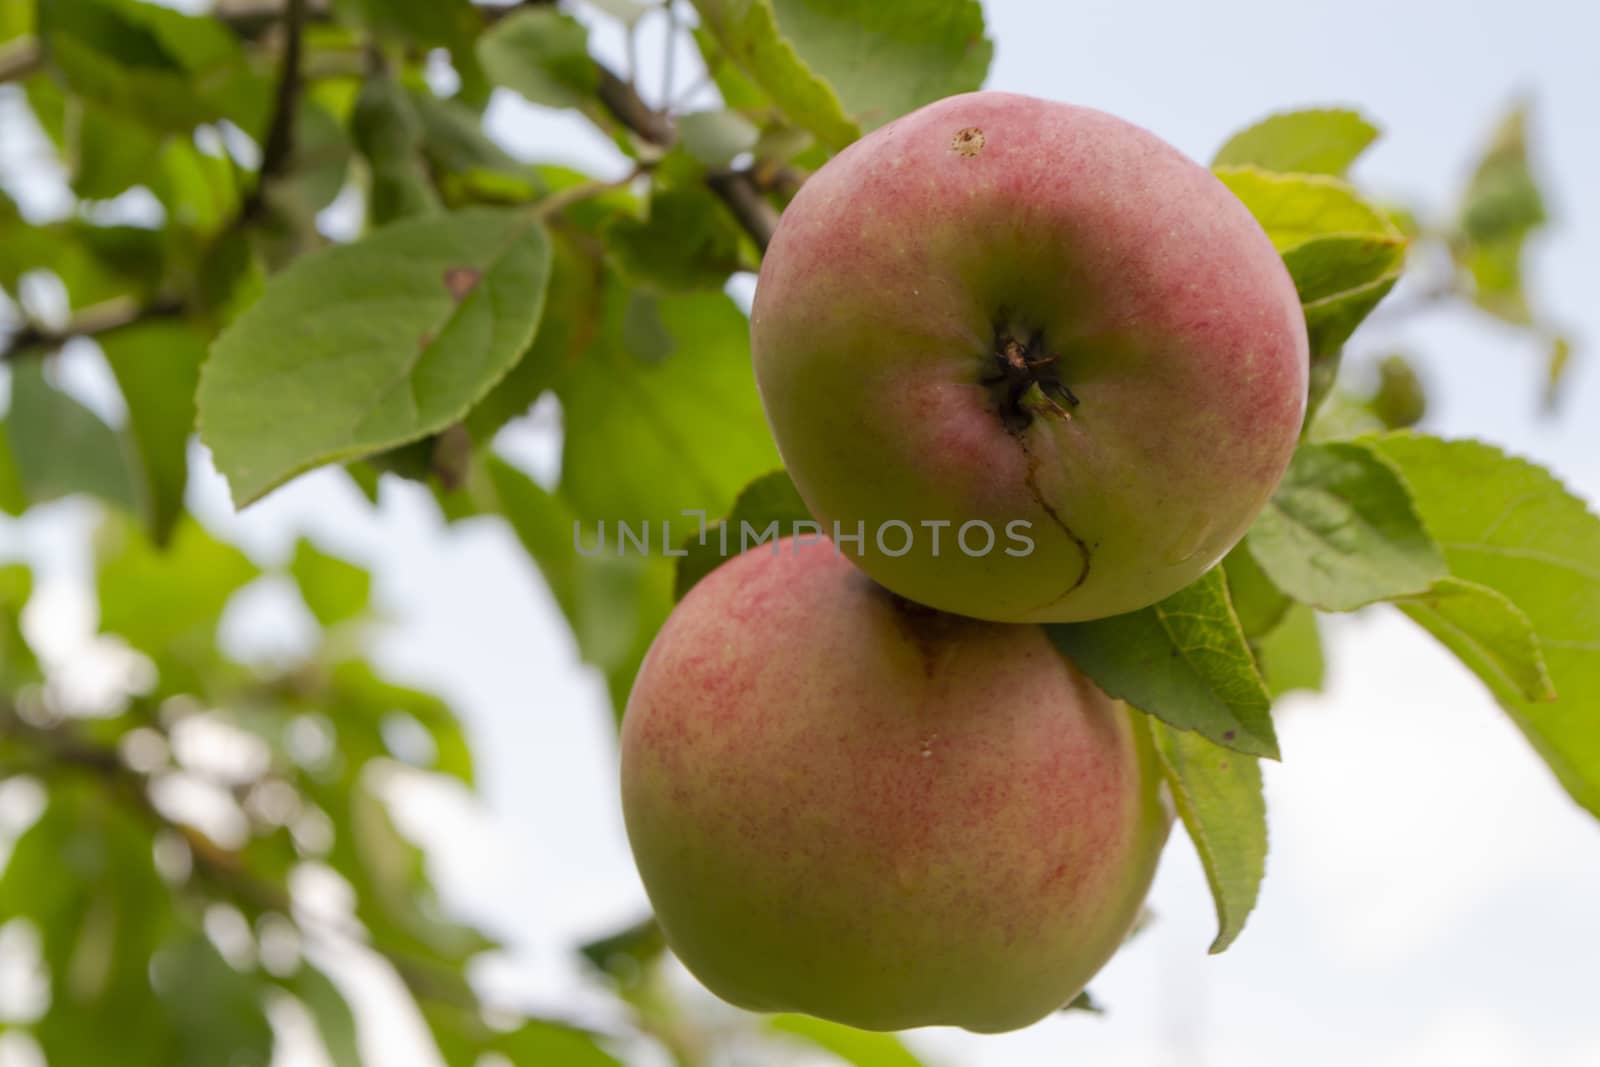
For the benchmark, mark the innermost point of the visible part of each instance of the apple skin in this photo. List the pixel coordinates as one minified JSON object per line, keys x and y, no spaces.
{"x":903,"y":264}
{"x":845,"y":804}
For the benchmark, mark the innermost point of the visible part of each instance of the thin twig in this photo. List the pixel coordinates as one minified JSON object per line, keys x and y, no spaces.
{"x":735,"y":188}
{"x":278,"y":147}
{"x":754,"y":212}
{"x":559,"y":201}
{"x":20,"y":58}
{"x":93,"y":321}
{"x":628,"y":108}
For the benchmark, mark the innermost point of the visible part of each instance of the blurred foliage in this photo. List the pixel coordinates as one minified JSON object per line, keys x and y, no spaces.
{"x":164,"y":899}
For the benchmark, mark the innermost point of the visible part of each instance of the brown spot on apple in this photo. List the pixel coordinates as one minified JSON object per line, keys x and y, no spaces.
{"x":967,"y":142}
{"x":461,"y":280}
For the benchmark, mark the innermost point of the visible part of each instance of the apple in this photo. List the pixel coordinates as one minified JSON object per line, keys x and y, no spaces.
{"x":1046,"y":367}
{"x":846,"y":804}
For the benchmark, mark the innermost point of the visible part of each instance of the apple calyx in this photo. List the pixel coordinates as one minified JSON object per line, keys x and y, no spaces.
{"x":1025,"y":379}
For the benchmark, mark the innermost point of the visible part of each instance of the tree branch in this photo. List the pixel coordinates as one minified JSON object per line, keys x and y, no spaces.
{"x":735,"y":188}
{"x":92,"y":321}
{"x":754,"y":212}
{"x":20,"y":58}
{"x":278,"y":147}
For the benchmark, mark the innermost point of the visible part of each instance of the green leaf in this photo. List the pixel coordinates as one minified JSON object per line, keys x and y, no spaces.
{"x":1218,"y":797}
{"x":1294,"y":208}
{"x":157,"y":366}
{"x":574,"y":310}
{"x":13,"y":495}
{"x":16,"y":19}
{"x":334,"y":589}
{"x":733,"y":85}
{"x":429,"y":23}
{"x":1290,"y":655}
{"x":83,"y":874}
{"x":1497,"y":284}
{"x":1341,"y":416}
{"x":388,"y":132}
{"x":364,"y":347}
{"x":365,"y":700}
{"x":644,"y":334}
{"x":219,"y":1014}
{"x":462,"y":158}
{"x":108,"y":153}
{"x":155,"y":599}
{"x":539,"y":1042}
{"x":1318,"y":141}
{"x":18,"y":665}
{"x":856,"y":1047}
{"x":1086,"y":1002}
{"x":233,"y":274}
{"x":1510,"y":526}
{"x":1400,"y":399}
{"x":628,"y":954}
{"x":543,"y":55}
{"x":1502,"y":206}
{"x":1331,"y":321}
{"x":614,"y":603}
{"x":197,"y":189}
{"x":886,"y":59}
{"x":687,"y":241}
{"x":1259,"y":604}
{"x":1340,"y":531}
{"x":1343,"y":254}
{"x":690,"y":425}
{"x":1487,"y":632}
{"x":61,"y":447}
{"x":152,"y":64}
{"x":335,"y":1022}
{"x":95,"y":264}
{"x":1555,"y":375}
{"x":396,"y":901}
{"x":1184,"y":660}
{"x":463,"y":1037}
{"x":770,"y":498}
{"x":1503,"y":199}
{"x":319,"y":164}
{"x":748,"y":33}
{"x":714,"y":138}
{"x":1338,"y":266}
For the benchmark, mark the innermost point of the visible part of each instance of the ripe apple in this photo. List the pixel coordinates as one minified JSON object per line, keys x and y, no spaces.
{"x":849,"y":805}
{"x":998,"y":310}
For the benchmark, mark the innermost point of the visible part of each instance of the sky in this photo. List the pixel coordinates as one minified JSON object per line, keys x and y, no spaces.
{"x":1430,"y":892}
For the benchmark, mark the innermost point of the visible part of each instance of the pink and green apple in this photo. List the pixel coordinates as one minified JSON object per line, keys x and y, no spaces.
{"x":849,"y":805}
{"x":1051,"y":367}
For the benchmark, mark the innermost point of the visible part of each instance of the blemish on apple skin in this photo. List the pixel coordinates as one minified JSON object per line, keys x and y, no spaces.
{"x":1031,"y":479}
{"x":968,"y":142}
{"x":461,"y":280}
